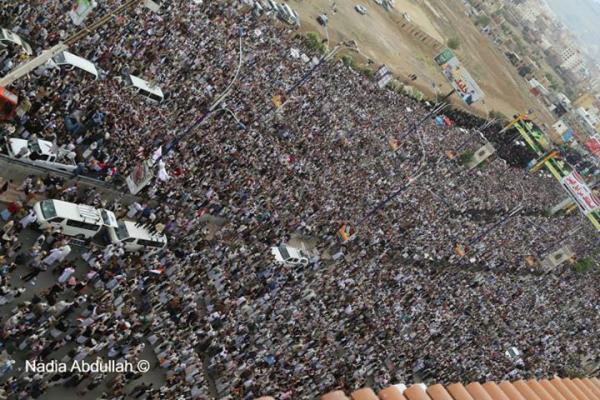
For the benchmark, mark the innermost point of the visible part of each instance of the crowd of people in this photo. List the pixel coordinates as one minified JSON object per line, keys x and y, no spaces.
{"x":220,"y":315}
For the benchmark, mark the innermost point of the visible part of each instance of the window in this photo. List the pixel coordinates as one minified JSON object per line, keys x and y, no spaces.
{"x":82,"y":225}
{"x":121,"y":232}
{"x":34,"y":147}
{"x":107,"y":220}
{"x":284,"y":253}
{"x":150,"y":243}
{"x":48,"y":210}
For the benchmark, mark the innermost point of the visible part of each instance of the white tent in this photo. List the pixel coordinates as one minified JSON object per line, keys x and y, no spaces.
{"x":66,"y":58}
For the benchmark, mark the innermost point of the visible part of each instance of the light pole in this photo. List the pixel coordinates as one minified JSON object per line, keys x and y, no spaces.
{"x":240,"y":123}
{"x":350,"y":45}
{"x":216,"y":103}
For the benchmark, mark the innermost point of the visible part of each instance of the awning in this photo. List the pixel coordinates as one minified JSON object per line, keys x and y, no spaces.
{"x":8,"y":36}
{"x":151,"y":91}
{"x":66,"y":58}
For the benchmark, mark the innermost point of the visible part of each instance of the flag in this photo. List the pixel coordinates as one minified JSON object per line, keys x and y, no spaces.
{"x":448,"y":122}
{"x":81,"y":10}
{"x":278,"y":100}
{"x":162,"y":171}
{"x":157,"y":155}
{"x":394,"y":143}
{"x":346,"y":232}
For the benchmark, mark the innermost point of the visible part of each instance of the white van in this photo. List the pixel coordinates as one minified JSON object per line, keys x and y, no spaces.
{"x":78,"y":220}
{"x":289,"y":255}
{"x":136,"y":238}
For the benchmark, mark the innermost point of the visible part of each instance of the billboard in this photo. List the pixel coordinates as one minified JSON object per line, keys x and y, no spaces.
{"x":81,"y":10}
{"x":564,"y":173}
{"x":139,"y":178}
{"x":593,"y":145}
{"x":458,"y":76}
{"x":581,"y":193}
{"x":383,"y":76}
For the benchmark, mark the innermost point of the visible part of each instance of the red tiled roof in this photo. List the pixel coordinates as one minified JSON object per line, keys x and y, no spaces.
{"x":544,"y":389}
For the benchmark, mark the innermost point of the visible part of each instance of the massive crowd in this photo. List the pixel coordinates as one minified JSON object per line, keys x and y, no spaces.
{"x":219,"y":314}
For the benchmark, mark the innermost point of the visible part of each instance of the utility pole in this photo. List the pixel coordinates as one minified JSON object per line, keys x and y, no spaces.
{"x":46,"y":55}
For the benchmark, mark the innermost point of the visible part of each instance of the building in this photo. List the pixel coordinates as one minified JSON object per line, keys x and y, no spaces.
{"x":587,"y":101}
{"x":548,"y":389}
{"x":529,"y":11}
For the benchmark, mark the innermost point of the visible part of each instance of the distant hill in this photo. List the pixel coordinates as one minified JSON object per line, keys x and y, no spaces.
{"x":582,"y":17}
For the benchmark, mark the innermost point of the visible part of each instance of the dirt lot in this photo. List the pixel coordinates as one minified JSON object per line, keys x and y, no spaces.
{"x":381,"y":40}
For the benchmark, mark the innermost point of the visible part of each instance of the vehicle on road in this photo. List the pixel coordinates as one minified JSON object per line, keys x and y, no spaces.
{"x":322,"y":19}
{"x":289,"y":255}
{"x":136,"y":238}
{"x":361,"y":9}
{"x":288,"y":15}
{"x":77,"y":220}
{"x":42,"y":153}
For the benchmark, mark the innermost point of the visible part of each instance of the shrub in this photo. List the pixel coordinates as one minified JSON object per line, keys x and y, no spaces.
{"x":466,"y":157}
{"x":314,"y":42}
{"x":501,"y":118}
{"x":349,"y":61}
{"x":483,"y":20}
{"x":454,"y":43}
{"x":583,"y":265}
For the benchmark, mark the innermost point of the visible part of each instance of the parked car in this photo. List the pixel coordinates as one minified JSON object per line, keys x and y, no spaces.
{"x":42,"y":153}
{"x":322,"y":19}
{"x":361,"y":9}
{"x":290,"y":255}
{"x":136,"y":238}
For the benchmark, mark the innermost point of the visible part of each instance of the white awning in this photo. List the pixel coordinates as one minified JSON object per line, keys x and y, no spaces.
{"x":152,"y":91}
{"x":8,"y":36}
{"x":66,"y":58}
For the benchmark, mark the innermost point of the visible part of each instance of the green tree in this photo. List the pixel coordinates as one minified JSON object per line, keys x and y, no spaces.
{"x":483,"y":20}
{"x":497,"y":115}
{"x":314,"y":42}
{"x":454,"y":42}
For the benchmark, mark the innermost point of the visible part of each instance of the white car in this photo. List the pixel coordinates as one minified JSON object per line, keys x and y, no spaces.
{"x":379,"y":2}
{"x":42,"y":153}
{"x":360,"y":9}
{"x":136,"y":238}
{"x":289,"y":255}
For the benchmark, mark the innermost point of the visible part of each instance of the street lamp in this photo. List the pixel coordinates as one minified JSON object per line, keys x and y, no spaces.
{"x":240,"y":123}
{"x":216,"y":103}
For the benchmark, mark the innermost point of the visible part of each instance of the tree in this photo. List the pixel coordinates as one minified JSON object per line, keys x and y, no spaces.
{"x":497,"y":115}
{"x":483,"y":20}
{"x":454,"y":43}
{"x":315,"y":43}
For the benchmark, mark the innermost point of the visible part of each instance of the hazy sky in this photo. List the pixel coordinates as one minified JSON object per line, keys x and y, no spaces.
{"x":582,"y":17}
